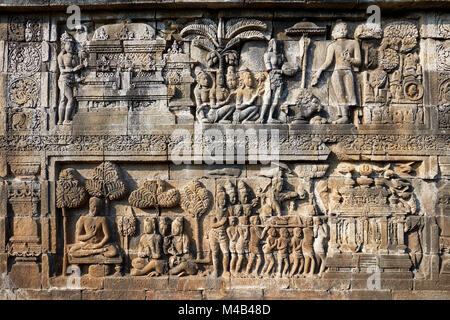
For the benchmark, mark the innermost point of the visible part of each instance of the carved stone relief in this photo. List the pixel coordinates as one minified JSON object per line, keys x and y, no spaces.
{"x":358,"y":115}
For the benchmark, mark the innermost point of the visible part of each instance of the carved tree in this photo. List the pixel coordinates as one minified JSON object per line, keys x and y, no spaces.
{"x":153,"y":194}
{"x":127,"y":227}
{"x":221,"y":41}
{"x":69,"y":194}
{"x":195,"y":201}
{"x":106,"y":183}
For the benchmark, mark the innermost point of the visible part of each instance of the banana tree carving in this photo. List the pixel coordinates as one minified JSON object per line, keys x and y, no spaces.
{"x":69,"y":194}
{"x":195,"y":200}
{"x":222,"y":41}
{"x":153,"y":194}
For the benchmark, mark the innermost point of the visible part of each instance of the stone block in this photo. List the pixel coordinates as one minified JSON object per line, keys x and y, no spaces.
{"x":173,"y":295}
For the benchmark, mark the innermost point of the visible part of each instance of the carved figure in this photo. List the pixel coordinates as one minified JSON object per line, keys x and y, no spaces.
{"x":218,"y":238}
{"x":268,"y":247}
{"x":413,"y":227}
{"x":246,"y":98}
{"x":296,"y":257}
{"x":242,"y":242}
{"x":320,"y":235}
{"x":274,"y":62}
{"x":233,"y":235}
{"x":92,"y":235}
{"x":346,"y":54}
{"x":149,"y":252}
{"x":180,"y":262}
{"x":203,"y":93}
{"x":69,"y":65}
{"x":283,"y":252}
{"x":307,"y":247}
{"x":222,"y":106}
{"x":255,"y":252}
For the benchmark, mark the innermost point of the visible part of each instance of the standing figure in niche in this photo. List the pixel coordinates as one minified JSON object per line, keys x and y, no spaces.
{"x":203,"y":94}
{"x":242,"y":242}
{"x":255,"y":236}
{"x":180,"y":262}
{"x":246,"y":98}
{"x":321,"y":236}
{"x":346,"y":54}
{"x":296,"y":255}
{"x":92,"y":235}
{"x":218,"y":238}
{"x":283,"y":252}
{"x":149,"y":252}
{"x":413,"y":226}
{"x":222,"y":108}
{"x":274,"y":62}
{"x":68,"y":64}
{"x":233,"y":235}
{"x":268,"y":247}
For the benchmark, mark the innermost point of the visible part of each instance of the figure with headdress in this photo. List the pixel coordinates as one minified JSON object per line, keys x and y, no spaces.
{"x":203,"y":94}
{"x":69,"y":66}
{"x":180,"y":261}
{"x":346,"y":55}
{"x":246,"y":98}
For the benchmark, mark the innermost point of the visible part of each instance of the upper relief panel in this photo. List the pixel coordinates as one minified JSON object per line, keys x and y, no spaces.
{"x":124,"y":77}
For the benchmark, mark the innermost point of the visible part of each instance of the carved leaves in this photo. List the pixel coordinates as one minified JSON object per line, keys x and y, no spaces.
{"x":208,"y":36}
{"x":403,"y":35}
{"x":69,"y":191}
{"x":153,"y":194}
{"x":195,"y":199}
{"x":203,"y":28}
{"x":237,"y":26}
{"x":244,"y":29}
{"x":106,"y":182}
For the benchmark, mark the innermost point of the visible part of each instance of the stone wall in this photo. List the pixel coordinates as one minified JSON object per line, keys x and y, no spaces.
{"x":334,"y":133}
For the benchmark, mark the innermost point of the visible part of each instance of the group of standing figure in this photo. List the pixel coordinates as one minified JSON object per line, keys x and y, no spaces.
{"x":252,"y":244}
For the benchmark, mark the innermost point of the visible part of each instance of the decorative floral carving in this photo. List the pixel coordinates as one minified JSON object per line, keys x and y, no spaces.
{"x":23,"y":92}
{"x":24,"y":58}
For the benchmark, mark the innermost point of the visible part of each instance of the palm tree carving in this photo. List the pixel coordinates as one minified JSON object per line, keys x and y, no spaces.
{"x":221,"y":41}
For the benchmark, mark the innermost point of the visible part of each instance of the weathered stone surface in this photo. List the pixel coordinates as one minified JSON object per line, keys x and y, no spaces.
{"x":224,"y":150}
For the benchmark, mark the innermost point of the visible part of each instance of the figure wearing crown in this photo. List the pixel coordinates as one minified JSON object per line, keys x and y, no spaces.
{"x":69,"y":66}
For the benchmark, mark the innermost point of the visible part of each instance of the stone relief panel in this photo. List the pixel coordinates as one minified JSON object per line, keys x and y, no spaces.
{"x":87,"y":165}
{"x":301,"y":220}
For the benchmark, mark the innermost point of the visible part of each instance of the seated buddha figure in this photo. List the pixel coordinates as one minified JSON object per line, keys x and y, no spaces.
{"x":92,"y":236}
